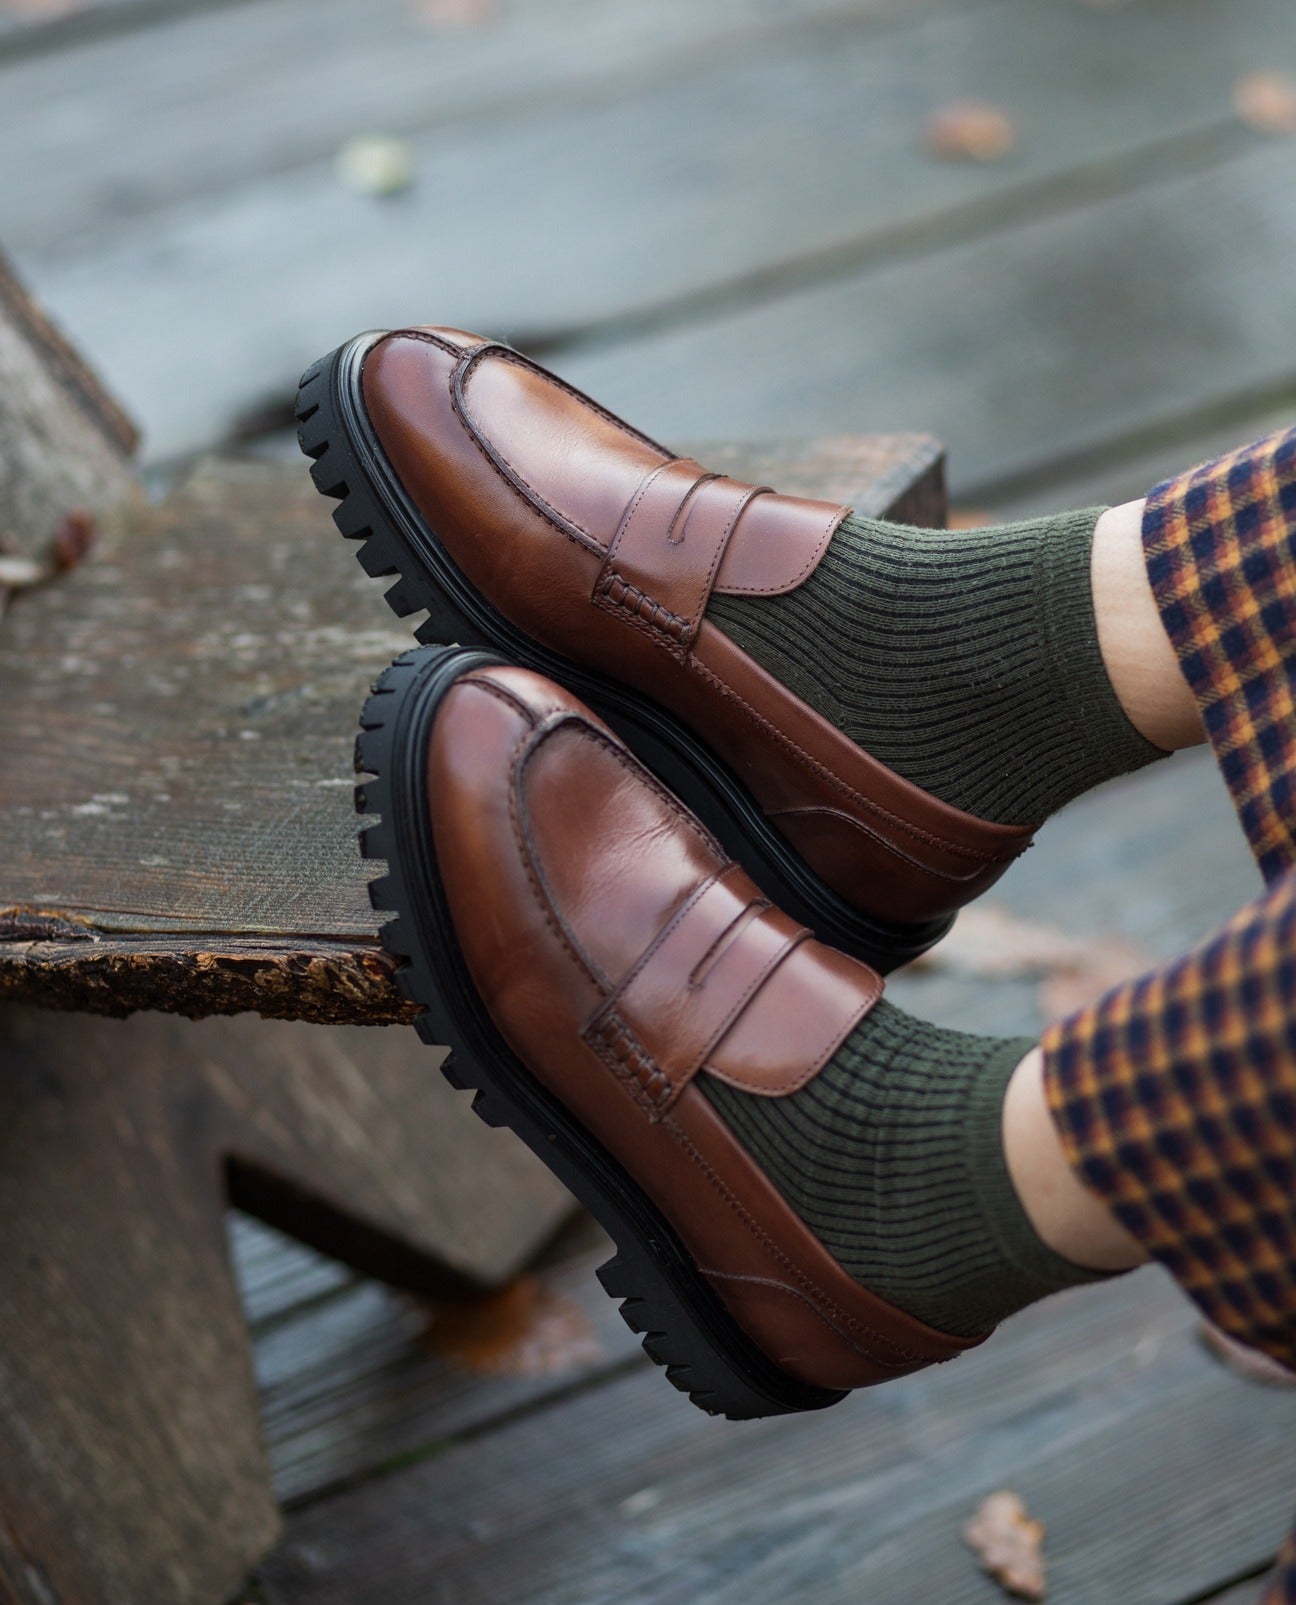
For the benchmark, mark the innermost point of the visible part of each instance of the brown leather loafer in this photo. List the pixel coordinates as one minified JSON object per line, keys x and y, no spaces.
{"x":591,"y":955}
{"x":529,"y":521}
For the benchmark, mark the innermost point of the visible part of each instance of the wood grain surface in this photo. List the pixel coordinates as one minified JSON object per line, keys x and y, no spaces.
{"x":624,"y":1494}
{"x":740,"y":154}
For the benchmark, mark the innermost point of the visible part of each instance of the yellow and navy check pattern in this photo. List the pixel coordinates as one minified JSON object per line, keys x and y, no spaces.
{"x":1220,"y":545}
{"x":1175,"y":1095}
{"x":1176,"y":1100}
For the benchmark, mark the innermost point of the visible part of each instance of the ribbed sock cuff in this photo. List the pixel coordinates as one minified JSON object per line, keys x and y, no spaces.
{"x":1038,"y":1269}
{"x":1104,"y":737}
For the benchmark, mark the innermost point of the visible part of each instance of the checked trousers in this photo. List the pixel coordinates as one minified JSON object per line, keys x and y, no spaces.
{"x":1175,"y":1095}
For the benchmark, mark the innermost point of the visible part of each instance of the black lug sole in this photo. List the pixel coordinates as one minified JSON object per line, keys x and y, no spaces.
{"x":348,"y":465}
{"x":685,"y":1327}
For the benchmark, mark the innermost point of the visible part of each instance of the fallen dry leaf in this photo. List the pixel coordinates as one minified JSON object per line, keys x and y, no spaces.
{"x":990,"y":944}
{"x":457,"y":14}
{"x":969,"y":518}
{"x":1266,"y":101}
{"x":1099,"y":964}
{"x":970,"y":131}
{"x":1009,"y":1544}
{"x":41,"y":10}
{"x":73,"y":539}
{"x":1247,"y":1362}
{"x":523,"y":1330}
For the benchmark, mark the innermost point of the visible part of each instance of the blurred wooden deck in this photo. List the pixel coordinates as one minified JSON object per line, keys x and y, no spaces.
{"x":720,"y":217}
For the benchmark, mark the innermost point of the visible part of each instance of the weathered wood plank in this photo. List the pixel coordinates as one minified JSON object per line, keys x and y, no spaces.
{"x":622,"y":1493}
{"x":285,"y":81}
{"x":994,"y":342}
{"x":176,"y":799}
{"x":1247,"y":1593}
{"x":1124,"y":469}
{"x":29,"y":26}
{"x":183,"y":764}
{"x":361,"y":1383}
{"x":1155,"y":860}
{"x":277,"y":1276}
{"x":702,"y":208}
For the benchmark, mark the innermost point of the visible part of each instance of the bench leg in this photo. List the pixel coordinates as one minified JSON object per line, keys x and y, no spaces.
{"x":131,"y":1469}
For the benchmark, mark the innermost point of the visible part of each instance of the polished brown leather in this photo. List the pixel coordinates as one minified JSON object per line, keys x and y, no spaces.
{"x":622,"y":957}
{"x":597,"y":542}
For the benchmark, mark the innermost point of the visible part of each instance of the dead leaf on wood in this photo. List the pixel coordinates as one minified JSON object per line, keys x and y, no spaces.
{"x":459,"y":15}
{"x":523,"y":1330}
{"x":1266,"y":101}
{"x":73,"y":539}
{"x":970,"y":131}
{"x":1247,"y":1362}
{"x":1009,"y":1544}
{"x":969,"y":518}
{"x":990,"y":944}
{"x":1068,"y":990}
{"x":41,"y":10}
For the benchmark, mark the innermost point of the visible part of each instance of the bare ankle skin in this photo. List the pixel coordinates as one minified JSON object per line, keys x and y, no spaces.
{"x":1067,"y":1216}
{"x":1136,"y":651}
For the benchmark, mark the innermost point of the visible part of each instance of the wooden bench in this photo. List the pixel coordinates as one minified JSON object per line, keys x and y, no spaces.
{"x":177,"y":718}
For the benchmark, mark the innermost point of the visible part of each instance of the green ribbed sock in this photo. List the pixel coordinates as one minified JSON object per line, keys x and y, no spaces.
{"x":967,"y":661}
{"x":893,"y":1157}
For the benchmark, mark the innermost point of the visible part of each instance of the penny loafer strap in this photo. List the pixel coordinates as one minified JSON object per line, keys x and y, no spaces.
{"x":664,"y":558}
{"x":671,"y":1015}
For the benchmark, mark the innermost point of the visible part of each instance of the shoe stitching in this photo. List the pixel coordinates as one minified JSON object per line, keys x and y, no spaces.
{"x":631,"y":600}
{"x":623,"y":1053}
{"x":809,"y":1286}
{"x":534,"y":727}
{"x":846,"y":790}
{"x":722,"y":545}
{"x":840,"y":513}
{"x":900,"y":1367}
{"x":517,"y":761}
{"x":796,"y":1078}
{"x":504,"y":469}
{"x":522,"y":756}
